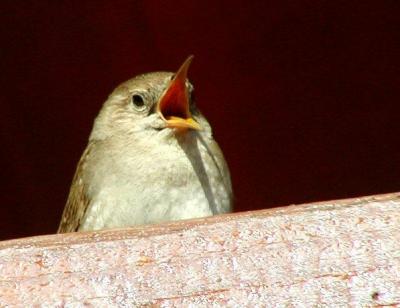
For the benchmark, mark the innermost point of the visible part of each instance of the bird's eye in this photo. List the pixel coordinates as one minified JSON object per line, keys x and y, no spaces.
{"x":138,"y":102}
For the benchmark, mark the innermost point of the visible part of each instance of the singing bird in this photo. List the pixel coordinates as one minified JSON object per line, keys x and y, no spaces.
{"x":151,"y":157}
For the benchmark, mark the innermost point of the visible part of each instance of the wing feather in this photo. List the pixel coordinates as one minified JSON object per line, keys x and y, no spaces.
{"x":78,"y":200}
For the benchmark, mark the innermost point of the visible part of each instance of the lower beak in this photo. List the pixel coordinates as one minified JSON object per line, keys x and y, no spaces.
{"x":173,"y":106}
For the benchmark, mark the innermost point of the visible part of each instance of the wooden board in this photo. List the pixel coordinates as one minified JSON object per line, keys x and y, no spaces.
{"x":335,"y":253}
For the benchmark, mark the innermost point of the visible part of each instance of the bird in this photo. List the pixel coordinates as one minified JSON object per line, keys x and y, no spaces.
{"x":151,"y":157}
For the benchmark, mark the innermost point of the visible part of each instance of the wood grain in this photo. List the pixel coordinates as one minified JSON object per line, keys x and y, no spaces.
{"x":336,"y":253}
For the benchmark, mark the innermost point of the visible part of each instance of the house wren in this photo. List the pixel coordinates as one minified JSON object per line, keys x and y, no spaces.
{"x":151,"y":157}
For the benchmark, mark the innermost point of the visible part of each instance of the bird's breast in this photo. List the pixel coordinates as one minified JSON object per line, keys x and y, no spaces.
{"x":172,"y":181}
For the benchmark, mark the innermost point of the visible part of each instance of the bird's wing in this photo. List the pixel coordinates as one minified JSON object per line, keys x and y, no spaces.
{"x":222,"y":167}
{"x":218,"y":157}
{"x":78,"y":201}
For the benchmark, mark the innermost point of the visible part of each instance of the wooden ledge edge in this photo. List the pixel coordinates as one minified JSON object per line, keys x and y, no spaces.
{"x":184,"y":225}
{"x":324,"y":254}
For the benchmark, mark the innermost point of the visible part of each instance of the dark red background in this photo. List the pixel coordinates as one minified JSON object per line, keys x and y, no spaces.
{"x":303,"y":95}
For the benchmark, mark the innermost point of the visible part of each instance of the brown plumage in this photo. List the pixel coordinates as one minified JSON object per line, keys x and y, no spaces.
{"x":150,"y":157}
{"x":78,"y":200}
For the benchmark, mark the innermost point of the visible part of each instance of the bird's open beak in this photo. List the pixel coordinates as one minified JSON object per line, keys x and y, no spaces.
{"x":173,"y":106}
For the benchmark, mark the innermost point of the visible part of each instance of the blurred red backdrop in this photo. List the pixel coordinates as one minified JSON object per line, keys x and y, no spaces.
{"x":302,"y":95}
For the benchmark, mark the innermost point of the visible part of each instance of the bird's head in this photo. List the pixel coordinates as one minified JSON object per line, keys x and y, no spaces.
{"x":150,"y":103}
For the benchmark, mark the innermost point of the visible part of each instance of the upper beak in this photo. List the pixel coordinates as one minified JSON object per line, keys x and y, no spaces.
{"x":173,"y":106}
